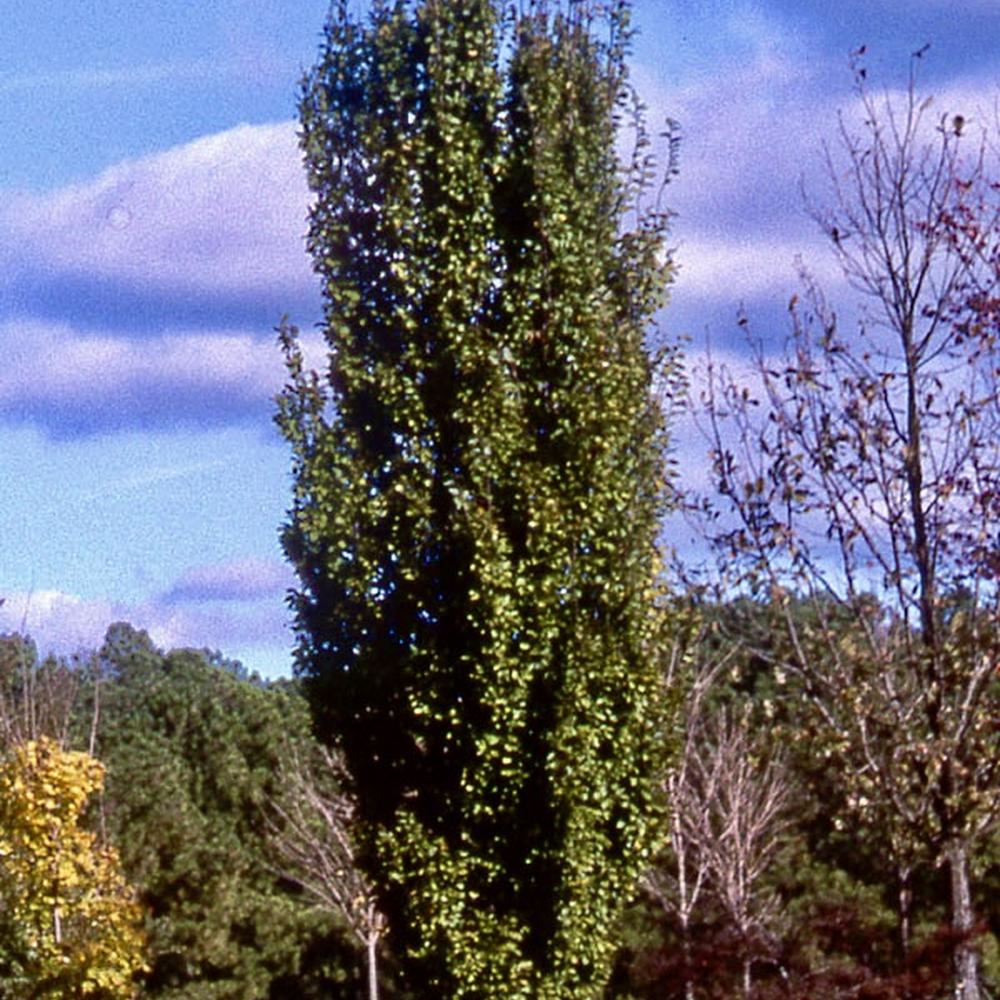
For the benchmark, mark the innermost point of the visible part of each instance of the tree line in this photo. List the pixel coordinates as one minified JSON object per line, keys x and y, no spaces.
{"x":235,"y":866}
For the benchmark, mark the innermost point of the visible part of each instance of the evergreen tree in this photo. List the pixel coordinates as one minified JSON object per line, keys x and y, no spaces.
{"x":479,"y":478}
{"x":194,"y":750}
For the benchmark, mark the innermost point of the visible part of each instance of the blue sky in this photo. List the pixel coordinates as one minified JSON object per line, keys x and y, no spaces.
{"x":151,"y":219}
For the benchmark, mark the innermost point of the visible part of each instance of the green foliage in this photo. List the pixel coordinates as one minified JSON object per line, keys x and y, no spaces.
{"x":193,"y":749}
{"x":837,"y":932}
{"x":478,"y":479}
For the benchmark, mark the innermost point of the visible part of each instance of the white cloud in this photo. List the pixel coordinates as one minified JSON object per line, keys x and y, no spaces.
{"x":59,"y":622}
{"x":752,"y":141}
{"x":228,"y":628}
{"x":189,"y":246}
{"x":224,"y":214}
{"x":72,"y":381}
{"x":714,"y":268}
{"x":231,"y":606}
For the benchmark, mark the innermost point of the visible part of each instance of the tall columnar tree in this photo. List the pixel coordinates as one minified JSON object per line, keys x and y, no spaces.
{"x":478,"y":478}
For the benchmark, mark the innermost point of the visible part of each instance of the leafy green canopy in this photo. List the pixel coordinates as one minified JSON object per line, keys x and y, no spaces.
{"x":478,"y":479}
{"x":194,"y":751}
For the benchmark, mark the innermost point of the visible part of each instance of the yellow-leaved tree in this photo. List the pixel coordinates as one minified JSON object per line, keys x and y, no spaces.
{"x":70,"y":925}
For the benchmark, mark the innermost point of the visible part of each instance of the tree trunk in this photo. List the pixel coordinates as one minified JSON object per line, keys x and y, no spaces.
{"x":962,"y":923}
{"x":904,"y":899}
{"x":371,"y":946}
{"x":686,"y":960}
{"x":684,"y":906}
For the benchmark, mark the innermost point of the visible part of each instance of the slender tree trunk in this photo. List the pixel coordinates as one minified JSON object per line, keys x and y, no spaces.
{"x":904,"y":899}
{"x":684,"y":916}
{"x":962,"y":923}
{"x":686,"y":959}
{"x":743,"y":925}
{"x":371,"y":947}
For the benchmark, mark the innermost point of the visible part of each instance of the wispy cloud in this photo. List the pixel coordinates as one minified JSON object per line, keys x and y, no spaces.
{"x":239,"y":580}
{"x":143,"y":479}
{"x":123,"y":76}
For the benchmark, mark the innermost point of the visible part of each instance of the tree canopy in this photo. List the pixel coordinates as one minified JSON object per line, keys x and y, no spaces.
{"x":70,"y":924}
{"x":479,"y":478}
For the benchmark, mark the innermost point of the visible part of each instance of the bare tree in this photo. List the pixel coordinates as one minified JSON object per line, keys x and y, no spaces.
{"x":677,"y":885}
{"x":742,"y":791}
{"x":866,"y":489}
{"x":727,"y":794}
{"x":36,"y":698}
{"x":311,"y":837}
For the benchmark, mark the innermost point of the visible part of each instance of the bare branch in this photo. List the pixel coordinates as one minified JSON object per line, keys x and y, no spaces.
{"x":866,"y":487}
{"x":311,"y":835}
